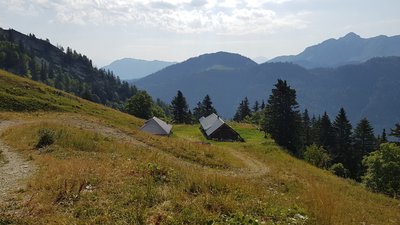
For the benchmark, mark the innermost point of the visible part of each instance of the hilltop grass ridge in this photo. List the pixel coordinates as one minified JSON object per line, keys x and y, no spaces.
{"x":102,"y":169}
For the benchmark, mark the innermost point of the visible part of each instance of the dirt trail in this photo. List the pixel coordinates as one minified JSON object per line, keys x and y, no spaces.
{"x":254,"y":167}
{"x":15,"y":170}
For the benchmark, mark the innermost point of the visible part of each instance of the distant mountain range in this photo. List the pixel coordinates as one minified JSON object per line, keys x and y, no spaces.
{"x":350,"y":49}
{"x":130,"y":69}
{"x":367,"y":90}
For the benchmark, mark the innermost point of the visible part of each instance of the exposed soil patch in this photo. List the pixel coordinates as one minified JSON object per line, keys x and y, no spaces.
{"x":14,"y":170}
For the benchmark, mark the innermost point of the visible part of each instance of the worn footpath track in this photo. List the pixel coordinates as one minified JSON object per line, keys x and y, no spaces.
{"x":14,"y":170}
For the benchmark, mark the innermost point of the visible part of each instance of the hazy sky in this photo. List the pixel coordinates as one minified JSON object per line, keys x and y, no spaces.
{"x":106,"y":30}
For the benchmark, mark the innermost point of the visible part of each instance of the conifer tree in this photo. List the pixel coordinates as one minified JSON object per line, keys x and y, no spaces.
{"x":198,"y":111}
{"x":343,"y":151}
{"x":364,"y":142}
{"x":282,"y":119}
{"x":256,"y":107}
{"x":326,"y":134}
{"x":315,"y":130}
{"x":364,"y":139}
{"x":207,"y":106}
{"x":243,"y":110}
{"x":383,"y":138}
{"x":204,"y":108}
{"x":306,"y":129}
{"x":262,"y":106}
{"x":179,"y":108}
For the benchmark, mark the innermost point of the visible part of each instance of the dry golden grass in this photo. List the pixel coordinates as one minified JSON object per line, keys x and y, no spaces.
{"x":87,"y":177}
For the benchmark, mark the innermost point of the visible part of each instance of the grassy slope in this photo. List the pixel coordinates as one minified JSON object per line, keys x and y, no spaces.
{"x":121,"y":176}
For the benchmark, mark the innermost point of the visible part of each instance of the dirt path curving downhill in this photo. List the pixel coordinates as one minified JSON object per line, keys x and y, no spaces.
{"x":14,"y":170}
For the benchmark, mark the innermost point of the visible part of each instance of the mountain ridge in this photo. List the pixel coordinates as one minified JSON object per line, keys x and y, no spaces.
{"x":349,"y":49}
{"x":132,"y":68}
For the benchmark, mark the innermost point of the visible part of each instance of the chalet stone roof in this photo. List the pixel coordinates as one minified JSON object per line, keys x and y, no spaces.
{"x":156,"y":126}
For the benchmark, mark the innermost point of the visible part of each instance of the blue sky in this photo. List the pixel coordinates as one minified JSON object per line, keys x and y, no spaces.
{"x":174,"y":30}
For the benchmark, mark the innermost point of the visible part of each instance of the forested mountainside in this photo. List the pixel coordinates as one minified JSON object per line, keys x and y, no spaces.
{"x":65,"y":69}
{"x":364,"y":90}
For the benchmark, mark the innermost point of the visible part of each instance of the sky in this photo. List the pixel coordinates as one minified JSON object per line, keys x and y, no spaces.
{"x":175,"y":30}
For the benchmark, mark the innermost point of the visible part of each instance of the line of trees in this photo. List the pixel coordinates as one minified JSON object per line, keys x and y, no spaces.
{"x":334,"y":145}
{"x":141,"y":105}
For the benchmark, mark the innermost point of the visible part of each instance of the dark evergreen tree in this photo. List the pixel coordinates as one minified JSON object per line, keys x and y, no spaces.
{"x":343,"y":151}
{"x":256,"y":107}
{"x":282,"y":119}
{"x":364,"y":139}
{"x":243,"y":110}
{"x":179,"y":108}
{"x":326,"y":134}
{"x":164,"y":106}
{"x":383,"y":138}
{"x":198,"y":111}
{"x":315,"y":130}
{"x":395,"y":132}
{"x":204,"y":108}
{"x":364,"y":142}
{"x":190,"y":118}
{"x":207,"y":107}
{"x":262,"y":106}
{"x":306,"y":129}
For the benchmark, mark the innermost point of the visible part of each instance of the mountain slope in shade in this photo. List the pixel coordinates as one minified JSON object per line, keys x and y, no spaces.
{"x":350,"y":49}
{"x":364,"y":90}
{"x":128,"y":68}
{"x":198,"y":76}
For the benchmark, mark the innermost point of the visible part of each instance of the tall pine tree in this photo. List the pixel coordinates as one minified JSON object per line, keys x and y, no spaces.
{"x":179,"y":108}
{"x":343,"y":151}
{"x":364,"y":139}
{"x":256,"y":107}
{"x":204,"y":108}
{"x":326,"y":134}
{"x":243,"y":110}
{"x":364,"y":142}
{"x":306,"y":129}
{"x":282,"y":118}
{"x":383,"y":138}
